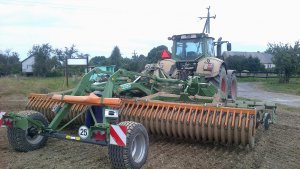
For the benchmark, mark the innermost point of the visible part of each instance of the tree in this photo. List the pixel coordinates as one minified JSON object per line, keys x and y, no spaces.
{"x":155,"y":54}
{"x":139,"y":63}
{"x":99,"y":61}
{"x":42,"y":62}
{"x":240,"y":63}
{"x":235,"y":63}
{"x":116,"y":58}
{"x":70,"y":52}
{"x":286,"y":59}
{"x":253,"y":64}
{"x":82,"y":55}
{"x":9,"y":63}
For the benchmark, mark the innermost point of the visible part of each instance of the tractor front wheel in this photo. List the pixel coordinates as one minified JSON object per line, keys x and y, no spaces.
{"x":134,"y":154}
{"x":29,"y":139}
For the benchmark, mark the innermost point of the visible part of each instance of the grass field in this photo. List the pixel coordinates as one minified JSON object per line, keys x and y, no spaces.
{"x":25,"y":85}
{"x":271,"y":84}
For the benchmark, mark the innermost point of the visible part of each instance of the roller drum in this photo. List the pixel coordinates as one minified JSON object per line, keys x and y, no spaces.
{"x":224,"y":125}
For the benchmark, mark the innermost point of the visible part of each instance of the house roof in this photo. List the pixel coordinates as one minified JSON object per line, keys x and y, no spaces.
{"x":27,"y":58}
{"x":265,"y":58}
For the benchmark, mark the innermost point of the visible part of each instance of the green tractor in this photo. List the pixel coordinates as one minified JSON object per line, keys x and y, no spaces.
{"x":194,"y":55}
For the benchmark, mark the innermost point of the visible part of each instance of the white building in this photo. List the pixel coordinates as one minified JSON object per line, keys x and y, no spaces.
{"x":27,"y":65}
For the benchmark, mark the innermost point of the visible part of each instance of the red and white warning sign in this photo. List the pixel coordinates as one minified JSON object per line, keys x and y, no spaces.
{"x":118,"y":135}
{"x":1,"y":118}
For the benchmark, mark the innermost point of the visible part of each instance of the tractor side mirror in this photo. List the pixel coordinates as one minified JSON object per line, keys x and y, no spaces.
{"x":228,"y":46}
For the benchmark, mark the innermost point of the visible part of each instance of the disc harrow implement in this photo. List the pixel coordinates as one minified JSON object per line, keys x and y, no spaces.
{"x":195,"y":112}
{"x":224,"y":125}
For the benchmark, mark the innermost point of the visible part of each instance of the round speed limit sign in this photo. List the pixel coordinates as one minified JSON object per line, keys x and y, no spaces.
{"x":83,"y":132}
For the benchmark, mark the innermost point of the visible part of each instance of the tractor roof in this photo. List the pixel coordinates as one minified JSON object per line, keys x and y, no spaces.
{"x":190,"y":36}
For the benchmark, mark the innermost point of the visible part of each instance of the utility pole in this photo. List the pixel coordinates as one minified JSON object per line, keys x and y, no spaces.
{"x":134,"y":53}
{"x":206,"y":28}
{"x":66,"y":71}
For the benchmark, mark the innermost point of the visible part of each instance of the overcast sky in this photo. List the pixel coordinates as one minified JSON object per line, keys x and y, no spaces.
{"x":95,"y":27}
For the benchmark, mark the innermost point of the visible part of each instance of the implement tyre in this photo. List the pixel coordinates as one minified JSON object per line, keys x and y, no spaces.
{"x":267,"y":121}
{"x":29,"y":139}
{"x":134,"y":154}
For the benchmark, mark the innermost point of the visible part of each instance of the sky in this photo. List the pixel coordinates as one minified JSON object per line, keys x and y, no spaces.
{"x":97,"y":26}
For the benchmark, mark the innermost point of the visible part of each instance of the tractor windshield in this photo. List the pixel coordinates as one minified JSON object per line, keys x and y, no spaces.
{"x":188,"y":50}
{"x":191,"y":49}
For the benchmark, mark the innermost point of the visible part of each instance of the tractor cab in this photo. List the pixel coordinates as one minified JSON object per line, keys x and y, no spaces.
{"x":191,"y":47}
{"x":194,"y":53}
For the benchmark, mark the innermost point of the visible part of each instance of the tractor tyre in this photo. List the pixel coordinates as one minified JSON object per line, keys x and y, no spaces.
{"x":134,"y":154}
{"x":222,"y":83}
{"x":29,"y":139}
{"x":232,"y":86}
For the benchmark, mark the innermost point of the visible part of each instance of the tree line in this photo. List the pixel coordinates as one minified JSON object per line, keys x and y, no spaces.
{"x":286,"y":58}
{"x":50,"y":61}
{"x":9,"y":63}
{"x":240,"y":63}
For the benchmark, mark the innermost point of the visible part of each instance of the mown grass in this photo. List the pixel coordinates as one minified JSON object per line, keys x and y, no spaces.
{"x":288,"y":108}
{"x":25,"y":85}
{"x":272,"y":84}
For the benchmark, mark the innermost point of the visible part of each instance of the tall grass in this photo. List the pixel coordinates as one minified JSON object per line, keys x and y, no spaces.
{"x":272,"y":84}
{"x":26,"y":85}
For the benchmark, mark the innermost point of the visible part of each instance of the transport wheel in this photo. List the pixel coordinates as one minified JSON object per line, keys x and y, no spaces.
{"x":134,"y":154}
{"x":258,"y":120}
{"x":29,"y":139}
{"x":267,"y":121}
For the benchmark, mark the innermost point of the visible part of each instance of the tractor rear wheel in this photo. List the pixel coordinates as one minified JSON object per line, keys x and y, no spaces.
{"x":232,"y":86}
{"x":221,"y":83}
{"x":134,"y":154}
{"x":29,"y":139}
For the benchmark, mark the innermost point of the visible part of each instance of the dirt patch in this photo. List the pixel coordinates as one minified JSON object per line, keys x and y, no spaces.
{"x":278,"y":147}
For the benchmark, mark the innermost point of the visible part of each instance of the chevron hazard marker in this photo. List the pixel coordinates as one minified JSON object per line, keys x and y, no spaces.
{"x":1,"y":118}
{"x":118,"y":135}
